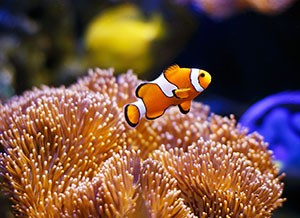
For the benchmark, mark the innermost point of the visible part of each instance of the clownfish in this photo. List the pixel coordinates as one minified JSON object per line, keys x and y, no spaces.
{"x":175,"y":86}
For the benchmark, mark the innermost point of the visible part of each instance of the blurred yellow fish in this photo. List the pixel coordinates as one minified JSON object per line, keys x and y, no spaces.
{"x":122,"y":37}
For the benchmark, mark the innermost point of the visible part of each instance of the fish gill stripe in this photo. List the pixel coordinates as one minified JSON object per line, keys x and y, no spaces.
{"x":166,"y":86}
{"x":194,"y":79}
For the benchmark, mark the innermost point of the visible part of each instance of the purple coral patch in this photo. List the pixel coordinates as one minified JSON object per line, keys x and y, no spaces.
{"x":277,"y":118}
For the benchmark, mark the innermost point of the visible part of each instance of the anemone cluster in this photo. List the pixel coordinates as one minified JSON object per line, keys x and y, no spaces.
{"x":69,"y":153}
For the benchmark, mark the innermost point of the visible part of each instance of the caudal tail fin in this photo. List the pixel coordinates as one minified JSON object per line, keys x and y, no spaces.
{"x":132,"y":114}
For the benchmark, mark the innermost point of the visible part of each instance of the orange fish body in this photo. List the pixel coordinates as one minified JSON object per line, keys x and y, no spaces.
{"x":175,"y":86}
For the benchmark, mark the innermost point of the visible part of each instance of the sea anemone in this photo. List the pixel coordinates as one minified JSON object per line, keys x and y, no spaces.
{"x":112,"y":192}
{"x":160,"y":192}
{"x":69,"y":153}
{"x":217,"y":181}
{"x":53,"y":138}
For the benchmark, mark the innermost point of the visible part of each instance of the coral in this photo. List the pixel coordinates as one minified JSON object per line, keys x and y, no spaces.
{"x":68,"y":152}
{"x":269,"y":6}
{"x":277,"y":118}
{"x":226,"y":8}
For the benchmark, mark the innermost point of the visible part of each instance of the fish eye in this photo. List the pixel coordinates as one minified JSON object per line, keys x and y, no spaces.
{"x":202,"y":75}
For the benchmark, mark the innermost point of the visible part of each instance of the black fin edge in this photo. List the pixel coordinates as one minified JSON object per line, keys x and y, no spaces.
{"x":127,"y":119}
{"x":173,"y":91}
{"x":138,"y":88}
{"x":182,"y":110}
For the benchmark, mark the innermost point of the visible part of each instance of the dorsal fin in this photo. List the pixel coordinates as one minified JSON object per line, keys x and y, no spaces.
{"x":170,"y":70}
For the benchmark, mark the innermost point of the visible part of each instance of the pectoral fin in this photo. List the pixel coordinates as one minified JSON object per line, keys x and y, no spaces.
{"x":185,"y":107}
{"x":182,"y":93}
